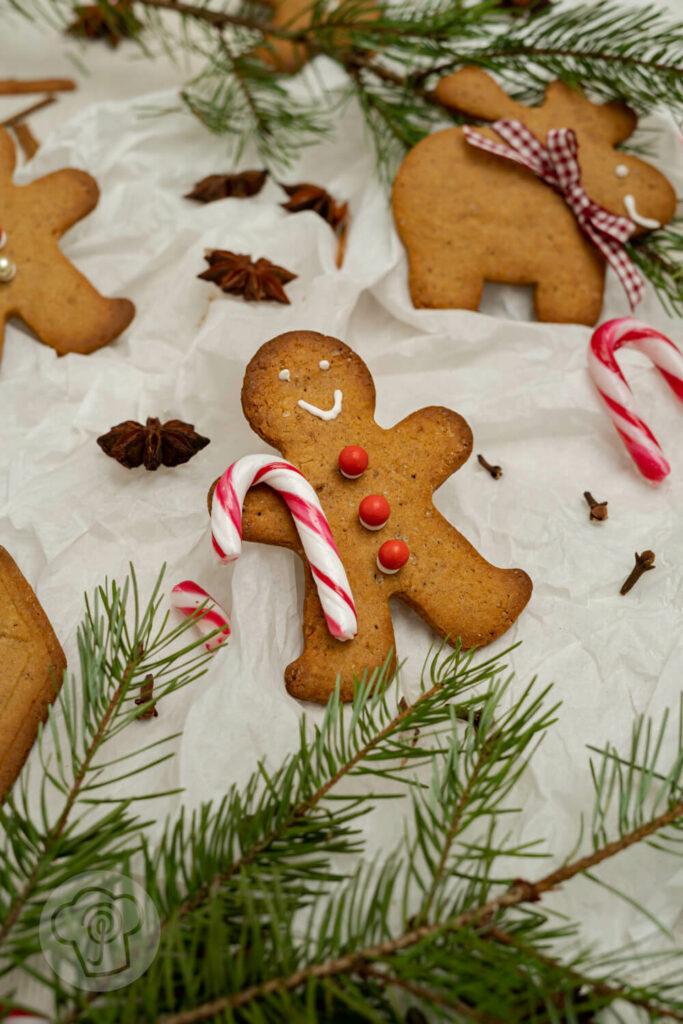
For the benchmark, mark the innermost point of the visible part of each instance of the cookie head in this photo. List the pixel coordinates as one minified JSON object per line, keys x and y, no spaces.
{"x":627,"y":186}
{"x":304,"y":385}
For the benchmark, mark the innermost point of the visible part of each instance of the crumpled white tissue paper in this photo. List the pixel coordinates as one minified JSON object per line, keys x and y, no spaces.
{"x":70,"y":516}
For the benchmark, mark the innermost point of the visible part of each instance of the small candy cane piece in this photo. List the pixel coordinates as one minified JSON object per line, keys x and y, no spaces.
{"x":314,"y":530}
{"x":611,"y":383}
{"x":194,"y":602}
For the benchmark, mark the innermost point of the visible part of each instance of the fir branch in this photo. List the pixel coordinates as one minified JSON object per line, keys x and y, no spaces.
{"x":114,"y":661}
{"x":356,"y":962}
{"x":332,"y":755}
{"x":473,"y":923}
{"x":257,"y":923}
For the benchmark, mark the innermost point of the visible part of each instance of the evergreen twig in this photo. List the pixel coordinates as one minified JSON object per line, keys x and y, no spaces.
{"x":257,"y":922}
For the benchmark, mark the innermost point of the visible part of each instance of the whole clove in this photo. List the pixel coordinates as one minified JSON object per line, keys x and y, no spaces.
{"x":644,"y":561}
{"x":598,"y":509}
{"x":146,"y":694}
{"x":495,"y":471}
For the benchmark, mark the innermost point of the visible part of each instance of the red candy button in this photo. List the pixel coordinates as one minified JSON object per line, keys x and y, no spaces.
{"x":392,"y":556}
{"x":353,"y":461}
{"x":373,"y":511}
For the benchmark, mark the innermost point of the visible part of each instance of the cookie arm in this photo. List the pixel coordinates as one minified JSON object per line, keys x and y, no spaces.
{"x":437,"y":439}
{"x":62,"y":198}
{"x":266,"y":519}
{"x":458,"y":592}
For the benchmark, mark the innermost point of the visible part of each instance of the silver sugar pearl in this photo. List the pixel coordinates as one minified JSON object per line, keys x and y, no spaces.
{"x":7,"y":269}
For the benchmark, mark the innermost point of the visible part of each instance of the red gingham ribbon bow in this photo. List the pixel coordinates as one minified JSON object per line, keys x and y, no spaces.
{"x":558,"y":165}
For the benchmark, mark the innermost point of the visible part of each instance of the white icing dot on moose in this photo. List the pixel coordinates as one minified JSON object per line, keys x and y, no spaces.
{"x":324,"y":364}
{"x":621,"y":171}
{"x":283,"y":375}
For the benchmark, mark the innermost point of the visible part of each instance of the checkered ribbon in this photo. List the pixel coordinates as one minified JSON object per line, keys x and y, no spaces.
{"x":557,"y":164}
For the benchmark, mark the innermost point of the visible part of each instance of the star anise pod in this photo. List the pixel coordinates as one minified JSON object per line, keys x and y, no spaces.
{"x":156,"y":444}
{"x":239,"y":275}
{"x":222,"y":186}
{"x":311,"y":197}
{"x":112,"y":23}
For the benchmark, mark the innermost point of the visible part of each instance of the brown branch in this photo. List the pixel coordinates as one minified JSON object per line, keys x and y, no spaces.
{"x":9,"y":122}
{"x":520,"y":892}
{"x":18,"y":87}
{"x":56,"y":831}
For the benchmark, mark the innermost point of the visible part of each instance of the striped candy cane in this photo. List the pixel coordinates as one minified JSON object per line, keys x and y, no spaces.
{"x":194,"y":602}
{"x":611,"y":383}
{"x":314,"y":530}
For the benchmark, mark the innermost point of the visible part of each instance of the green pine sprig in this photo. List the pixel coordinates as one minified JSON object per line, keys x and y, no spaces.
{"x":268,"y":909}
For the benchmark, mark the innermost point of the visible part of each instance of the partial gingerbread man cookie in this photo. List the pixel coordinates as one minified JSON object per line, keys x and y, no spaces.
{"x":32,"y":665}
{"x":37,"y":282}
{"x":288,"y":56}
{"x":313,"y":399}
{"x":542,"y":198}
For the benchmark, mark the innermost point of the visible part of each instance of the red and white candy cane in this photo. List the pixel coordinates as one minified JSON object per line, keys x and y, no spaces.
{"x":194,"y":602}
{"x":313,"y":528}
{"x":611,"y":383}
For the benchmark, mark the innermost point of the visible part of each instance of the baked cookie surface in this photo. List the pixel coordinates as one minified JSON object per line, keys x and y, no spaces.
{"x":32,"y":664}
{"x":445,"y":580}
{"x":47,"y":292}
{"x":467,"y":216}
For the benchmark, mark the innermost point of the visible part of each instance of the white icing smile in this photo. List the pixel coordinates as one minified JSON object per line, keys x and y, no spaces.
{"x":324,"y":414}
{"x":644,"y":222}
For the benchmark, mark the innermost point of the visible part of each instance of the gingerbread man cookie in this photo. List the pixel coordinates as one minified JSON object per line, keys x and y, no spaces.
{"x":37,"y":282}
{"x":312,"y":398}
{"x":467,"y":216}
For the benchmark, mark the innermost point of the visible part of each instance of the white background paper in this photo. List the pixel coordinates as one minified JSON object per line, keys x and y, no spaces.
{"x":70,"y":516}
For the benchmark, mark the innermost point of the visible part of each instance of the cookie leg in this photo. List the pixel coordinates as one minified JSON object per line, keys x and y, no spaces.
{"x":438,"y":283}
{"x":572,"y":293}
{"x":314,"y":674}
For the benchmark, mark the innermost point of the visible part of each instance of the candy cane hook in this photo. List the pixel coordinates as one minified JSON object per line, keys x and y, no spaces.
{"x":611,"y":383}
{"x":194,"y":603}
{"x":313,"y":528}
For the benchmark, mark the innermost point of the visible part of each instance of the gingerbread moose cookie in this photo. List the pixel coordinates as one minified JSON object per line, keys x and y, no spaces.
{"x":467,"y":214}
{"x":312,"y":398}
{"x":37,"y":282}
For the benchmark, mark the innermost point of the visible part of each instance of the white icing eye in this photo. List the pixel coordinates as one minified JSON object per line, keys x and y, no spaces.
{"x":324,"y":364}
{"x":283,"y":375}
{"x":621,"y":171}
